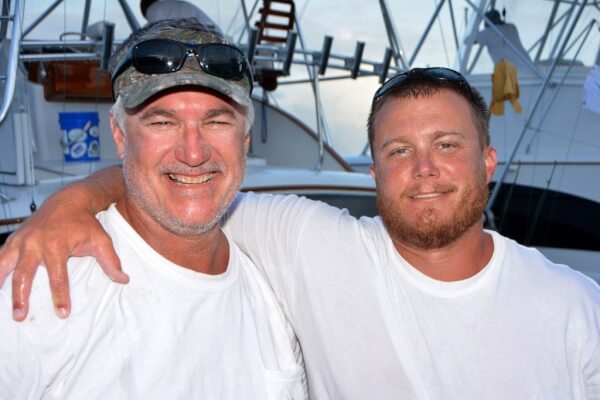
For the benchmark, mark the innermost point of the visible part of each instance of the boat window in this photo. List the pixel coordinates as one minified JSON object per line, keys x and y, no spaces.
{"x":535,"y":217}
{"x":358,"y":205}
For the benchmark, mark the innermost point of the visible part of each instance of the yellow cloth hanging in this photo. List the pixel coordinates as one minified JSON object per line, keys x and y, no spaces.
{"x":504,"y":87}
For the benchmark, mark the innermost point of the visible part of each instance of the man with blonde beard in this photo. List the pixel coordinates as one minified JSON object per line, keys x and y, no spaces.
{"x":422,"y":303}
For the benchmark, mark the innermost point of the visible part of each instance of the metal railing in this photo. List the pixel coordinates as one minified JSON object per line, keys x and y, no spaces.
{"x":536,"y":103}
{"x":13,"y":60}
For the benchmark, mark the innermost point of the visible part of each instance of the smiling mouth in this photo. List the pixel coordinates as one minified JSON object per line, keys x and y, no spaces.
{"x":427,"y":195}
{"x":192,"y":180}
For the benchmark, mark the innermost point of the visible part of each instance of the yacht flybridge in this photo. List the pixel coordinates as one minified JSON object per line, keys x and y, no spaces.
{"x":549,"y":154}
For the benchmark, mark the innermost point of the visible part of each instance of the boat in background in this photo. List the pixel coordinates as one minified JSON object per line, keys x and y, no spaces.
{"x":44,"y":79}
{"x":549,"y":155}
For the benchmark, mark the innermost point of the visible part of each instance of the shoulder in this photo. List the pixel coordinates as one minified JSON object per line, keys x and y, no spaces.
{"x":530,"y":266}
{"x":43,"y":342}
{"x":87,"y":285}
{"x":279,"y":202}
{"x":291,"y":208}
{"x":283,"y":207}
{"x":293,"y":222}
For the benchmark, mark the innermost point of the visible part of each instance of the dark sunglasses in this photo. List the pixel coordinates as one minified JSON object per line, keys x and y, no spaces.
{"x":163,"y":56}
{"x":439,"y":73}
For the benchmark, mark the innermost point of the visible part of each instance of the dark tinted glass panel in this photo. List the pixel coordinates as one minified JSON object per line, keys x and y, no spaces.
{"x":536,"y":217}
{"x":357,"y":205}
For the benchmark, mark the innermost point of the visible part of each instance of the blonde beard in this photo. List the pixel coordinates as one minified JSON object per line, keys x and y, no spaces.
{"x":428,"y":232}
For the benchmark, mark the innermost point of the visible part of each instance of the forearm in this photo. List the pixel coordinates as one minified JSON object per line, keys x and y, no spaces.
{"x":94,"y":193}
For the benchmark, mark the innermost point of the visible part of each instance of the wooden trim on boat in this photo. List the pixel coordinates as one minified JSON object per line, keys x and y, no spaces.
{"x":12,"y":221}
{"x":78,"y":80}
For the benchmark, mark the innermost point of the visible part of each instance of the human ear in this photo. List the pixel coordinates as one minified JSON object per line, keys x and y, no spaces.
{"x":373,"y":171}
{"x":247,"y":139}
{"x":118,"y":137}
{"x":490,"y":160}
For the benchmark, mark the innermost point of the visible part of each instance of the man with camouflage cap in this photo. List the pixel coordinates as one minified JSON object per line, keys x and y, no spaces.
{"x":197,"y":320}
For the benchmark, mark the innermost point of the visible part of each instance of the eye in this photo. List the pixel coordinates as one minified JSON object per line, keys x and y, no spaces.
{"x":220,"y":119}
{"x":218,"y":122}
{"x":447,"y":145}
{"x":162,"y":125}
{"x":399,"y":151}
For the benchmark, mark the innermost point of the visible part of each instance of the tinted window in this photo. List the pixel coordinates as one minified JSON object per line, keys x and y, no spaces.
{"x":358,"y":205}
{"x":537,"y":217}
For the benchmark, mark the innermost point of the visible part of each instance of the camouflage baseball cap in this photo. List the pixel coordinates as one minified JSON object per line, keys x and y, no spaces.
{"x":137,"y":87}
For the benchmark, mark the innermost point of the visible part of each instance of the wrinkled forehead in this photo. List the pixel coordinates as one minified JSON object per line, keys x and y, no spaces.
{"x":183,"y":99}
{"x":203,"y":97}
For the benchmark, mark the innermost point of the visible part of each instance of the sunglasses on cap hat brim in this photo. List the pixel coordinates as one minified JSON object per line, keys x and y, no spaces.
{"x":164,"y":56}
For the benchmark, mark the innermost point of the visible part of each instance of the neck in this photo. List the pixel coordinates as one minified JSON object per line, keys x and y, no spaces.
{"x":459,"y":260}
{"x":206,"y":253}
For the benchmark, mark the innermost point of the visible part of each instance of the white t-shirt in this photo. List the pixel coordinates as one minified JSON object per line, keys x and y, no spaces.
{"x":171,"y":333}
{"x":373,"y":327}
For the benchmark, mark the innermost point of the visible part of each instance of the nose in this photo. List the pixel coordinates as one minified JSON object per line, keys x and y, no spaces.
{"x":193,"y":148}
{"x":424,"y":165}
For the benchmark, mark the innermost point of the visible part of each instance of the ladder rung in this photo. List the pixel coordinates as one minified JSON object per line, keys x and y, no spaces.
{"x":271,"y":25}
{"x":6,"y":17}
{"x":269,"y":38}
{"x":277,"y":13}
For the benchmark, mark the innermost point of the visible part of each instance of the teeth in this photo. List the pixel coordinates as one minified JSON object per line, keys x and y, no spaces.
{"x":427,"y":196}
{"x":191,"y":180}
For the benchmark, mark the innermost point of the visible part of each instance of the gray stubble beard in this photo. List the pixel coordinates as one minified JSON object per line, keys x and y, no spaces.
{"x":167,"y":221}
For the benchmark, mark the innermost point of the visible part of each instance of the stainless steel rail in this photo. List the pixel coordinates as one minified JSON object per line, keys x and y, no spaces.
{"x":13,"y":60}
{"x":532,"y":112}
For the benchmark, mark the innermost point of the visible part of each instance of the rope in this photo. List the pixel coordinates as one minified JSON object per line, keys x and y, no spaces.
{"x":538,"y":209}
{"x":561,"y":176}
{"x":508,"y":198}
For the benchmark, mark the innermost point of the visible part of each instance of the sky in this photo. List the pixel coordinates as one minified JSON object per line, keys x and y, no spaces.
{"x":345,"y":102}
